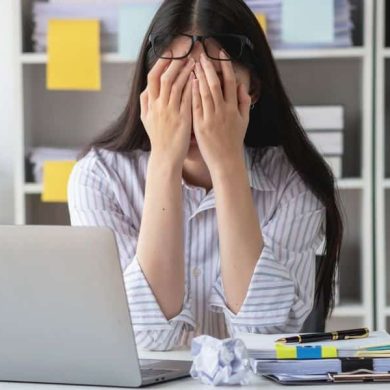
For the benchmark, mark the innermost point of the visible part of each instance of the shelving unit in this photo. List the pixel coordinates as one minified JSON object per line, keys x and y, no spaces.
{"x":382,"y":166}
{"x":321,"y":76}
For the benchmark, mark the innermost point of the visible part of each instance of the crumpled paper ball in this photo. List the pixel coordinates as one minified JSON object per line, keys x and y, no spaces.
{"x":220,"y":362}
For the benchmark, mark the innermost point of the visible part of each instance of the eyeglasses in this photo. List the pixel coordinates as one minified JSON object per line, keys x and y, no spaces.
{"x":182,"y":44}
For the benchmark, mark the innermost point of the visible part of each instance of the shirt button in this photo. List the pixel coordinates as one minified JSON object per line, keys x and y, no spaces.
{"x":196,"y":272}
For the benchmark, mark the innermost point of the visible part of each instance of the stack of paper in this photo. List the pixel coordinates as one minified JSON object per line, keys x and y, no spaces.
{"x":306,"y":23}
{"x":314,"y":361}
{"x":263,"y":346}
{"x":108,"y":12}
{"x":324,"y":126}
{"x":39,"y":155}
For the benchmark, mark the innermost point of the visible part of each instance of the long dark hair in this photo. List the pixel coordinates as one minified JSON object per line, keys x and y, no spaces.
{"x":273,"y":120}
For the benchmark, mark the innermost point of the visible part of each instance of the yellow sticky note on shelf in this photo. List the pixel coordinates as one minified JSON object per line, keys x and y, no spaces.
{"x":285,"y":352}
{"x":73,"y":54}
{"x":55,"y":180}
{"x":262,"y":21}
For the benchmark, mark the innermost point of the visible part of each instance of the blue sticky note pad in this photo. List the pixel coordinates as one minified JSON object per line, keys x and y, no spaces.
{"x":308,"y":21}
{"x":133,"y":22}
{"x":309,"y":352}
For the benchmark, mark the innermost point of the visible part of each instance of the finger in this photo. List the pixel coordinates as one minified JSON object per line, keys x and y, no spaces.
{"x":205,"y":93}
{"x":169,"y":77}
{"x":244,"y":101}
{"x":185,"y":106}
{"x":212,"y":80}
{"x":197,"y":109}
{"x":155,"y":74}
{"x":229,"y":80}
{"x":180,"y":83}
{"x":144,"y":103}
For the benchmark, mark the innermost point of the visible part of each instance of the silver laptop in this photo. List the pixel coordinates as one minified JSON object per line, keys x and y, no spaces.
{"x":64,"y":316}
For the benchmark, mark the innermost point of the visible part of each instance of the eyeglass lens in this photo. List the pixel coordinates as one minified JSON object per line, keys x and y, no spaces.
{"x":180,"y":45}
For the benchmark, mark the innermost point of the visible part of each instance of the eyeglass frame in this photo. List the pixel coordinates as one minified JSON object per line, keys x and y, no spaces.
{"x":243,"y":38}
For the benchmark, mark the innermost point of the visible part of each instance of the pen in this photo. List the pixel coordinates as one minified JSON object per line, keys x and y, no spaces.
{"x":336,"y":335}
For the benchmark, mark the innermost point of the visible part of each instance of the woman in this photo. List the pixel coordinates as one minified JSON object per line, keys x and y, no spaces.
{"x":217,"y":198}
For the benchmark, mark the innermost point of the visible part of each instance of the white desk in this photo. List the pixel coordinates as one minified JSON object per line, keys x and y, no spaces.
{"x":257,"y":383}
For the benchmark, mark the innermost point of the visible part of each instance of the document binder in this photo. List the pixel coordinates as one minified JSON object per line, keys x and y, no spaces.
{"x":358,"y":376}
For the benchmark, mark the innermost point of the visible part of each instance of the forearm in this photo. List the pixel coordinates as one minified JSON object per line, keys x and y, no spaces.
{"x":240,"y":238}
{"x":160,"y":247}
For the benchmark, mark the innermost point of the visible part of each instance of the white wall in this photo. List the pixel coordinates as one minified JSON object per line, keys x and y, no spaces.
{"x":8,"y":110}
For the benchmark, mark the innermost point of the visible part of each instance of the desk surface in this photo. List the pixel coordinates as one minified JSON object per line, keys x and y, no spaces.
{"x":189,"y":383}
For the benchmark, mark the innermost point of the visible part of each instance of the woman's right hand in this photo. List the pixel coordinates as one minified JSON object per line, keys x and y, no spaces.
{"x":166,"y":108}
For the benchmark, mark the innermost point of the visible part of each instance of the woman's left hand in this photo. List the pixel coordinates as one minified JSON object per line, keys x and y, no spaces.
{"x":220,"y":118}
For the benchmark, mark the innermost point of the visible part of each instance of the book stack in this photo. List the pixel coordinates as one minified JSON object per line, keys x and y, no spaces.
{"x":321,"y":361}
{"x":324,"y":126}
{"x":106,"y":11}
{"x":277,"y":21}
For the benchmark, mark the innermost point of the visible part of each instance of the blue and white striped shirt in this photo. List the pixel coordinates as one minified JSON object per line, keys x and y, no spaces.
{"x":107,"y":189}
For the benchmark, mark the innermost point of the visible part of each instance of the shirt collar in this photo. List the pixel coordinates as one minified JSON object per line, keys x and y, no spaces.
{"x":257,"y":177}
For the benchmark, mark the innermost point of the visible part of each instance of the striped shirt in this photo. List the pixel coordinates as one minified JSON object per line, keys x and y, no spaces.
{"x":107,"y":189}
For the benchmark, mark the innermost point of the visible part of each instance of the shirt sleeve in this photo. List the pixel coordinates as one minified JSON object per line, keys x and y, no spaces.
{"x":281,"y":291}
{"x":92,"y":202}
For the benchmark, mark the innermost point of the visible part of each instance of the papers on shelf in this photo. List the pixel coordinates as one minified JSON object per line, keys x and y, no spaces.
{"x":324,"y":126}
{"x":342,"y":25}
{"x":38,"y":155}
{"x":321,"y":117}
{"x":327,"y":142}
{"x":107,"y":12}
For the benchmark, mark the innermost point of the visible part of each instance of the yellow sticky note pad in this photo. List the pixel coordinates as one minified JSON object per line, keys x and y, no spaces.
{"x":285,"y":352}
{"x":328,"y":352}
{"x":262,"y":21}
{"x":55,"y":180}
{"x":73,"y":54}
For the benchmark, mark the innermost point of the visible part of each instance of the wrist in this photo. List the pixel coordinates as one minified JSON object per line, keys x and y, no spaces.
{"x":165,"y":164}
{"x":223,"y":168}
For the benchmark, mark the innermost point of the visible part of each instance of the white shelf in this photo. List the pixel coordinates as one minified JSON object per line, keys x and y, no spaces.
{"x":41,"y":58}
{"x":36,"y":188}
{"x":350,"y":184}
{"x":33,"y":188}
{"x":349,"y":310}
{"x":350,"y":52}
{"x":385,"y":53}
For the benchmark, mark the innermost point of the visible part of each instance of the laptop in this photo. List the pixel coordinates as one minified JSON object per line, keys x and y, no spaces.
{"x":64,"y":316}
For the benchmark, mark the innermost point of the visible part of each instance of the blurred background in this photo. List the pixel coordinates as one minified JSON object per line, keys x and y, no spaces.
{"x":66,"y":67}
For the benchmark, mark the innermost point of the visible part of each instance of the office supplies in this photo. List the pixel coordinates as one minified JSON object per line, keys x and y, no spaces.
{"x":319,"y":366}
{"x":134,"y":20}
{"x":55,"y":180}
{"x":263,"y":346}
{"x":64,"y":311}
{"x":308,"y":21}
{"x":335,"y":335}
{"x":360,"y":376}
{"x":73,"y":55}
